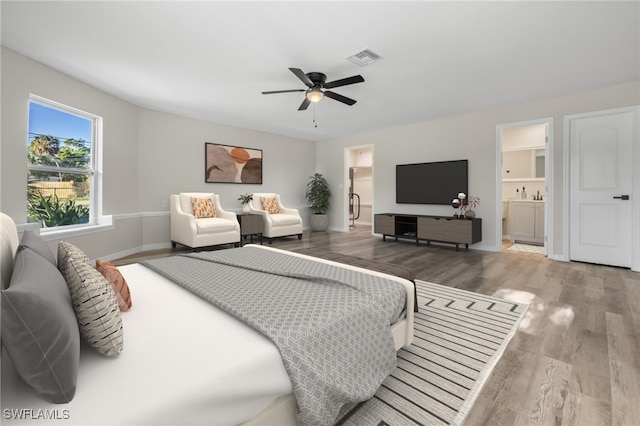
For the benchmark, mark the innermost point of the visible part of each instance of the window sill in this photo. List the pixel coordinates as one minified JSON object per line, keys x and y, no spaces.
{"x":105,"y":224}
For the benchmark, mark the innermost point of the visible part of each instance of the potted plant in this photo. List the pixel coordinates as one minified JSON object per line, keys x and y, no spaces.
{"x":318,"y":196}
{"x":245,"y":199}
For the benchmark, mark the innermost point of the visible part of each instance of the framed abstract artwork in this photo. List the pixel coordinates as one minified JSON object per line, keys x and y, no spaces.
{"x":232,"y":164}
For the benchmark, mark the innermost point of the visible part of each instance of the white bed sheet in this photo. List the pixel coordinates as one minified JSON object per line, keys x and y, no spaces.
{"x":184,"y":362}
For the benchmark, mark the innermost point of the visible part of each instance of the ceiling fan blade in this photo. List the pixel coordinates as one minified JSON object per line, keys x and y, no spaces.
{"x":302,"y":76}
{"x":344,"y":82}
{"x":304,"y":105}
{"x":284,"y":91}
{"x":339,"y":98}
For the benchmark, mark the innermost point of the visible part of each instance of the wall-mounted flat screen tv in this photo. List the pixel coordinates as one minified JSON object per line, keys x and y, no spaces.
{"x":431,"y":183}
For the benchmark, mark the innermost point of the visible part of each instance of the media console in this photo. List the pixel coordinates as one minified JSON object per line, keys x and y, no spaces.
{"x":442,"y":229}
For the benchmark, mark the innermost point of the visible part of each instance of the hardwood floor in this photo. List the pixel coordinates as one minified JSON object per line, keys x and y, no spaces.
{"x":575,"y":359}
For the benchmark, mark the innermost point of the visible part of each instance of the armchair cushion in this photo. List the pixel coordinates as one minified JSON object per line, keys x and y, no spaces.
{"x":213,"y":225}
{"x":270,"y":204}
{"x":203,"y":207}
{"x":280,"y":219}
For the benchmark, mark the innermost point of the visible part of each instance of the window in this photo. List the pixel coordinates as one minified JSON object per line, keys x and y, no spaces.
{"x":62,"y":175}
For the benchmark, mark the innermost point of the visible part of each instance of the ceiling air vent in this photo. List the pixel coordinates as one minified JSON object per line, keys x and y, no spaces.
{"x":363,"y":58}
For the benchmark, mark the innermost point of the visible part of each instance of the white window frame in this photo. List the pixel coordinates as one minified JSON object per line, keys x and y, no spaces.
{"x":97,"y":222}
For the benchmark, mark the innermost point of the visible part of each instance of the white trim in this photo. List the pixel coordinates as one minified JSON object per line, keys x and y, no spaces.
{"x":548,"y":179}
{"x":48,"y":234}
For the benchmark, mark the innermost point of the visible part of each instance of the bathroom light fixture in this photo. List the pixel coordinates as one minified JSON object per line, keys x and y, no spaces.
{"x":315,"y":94}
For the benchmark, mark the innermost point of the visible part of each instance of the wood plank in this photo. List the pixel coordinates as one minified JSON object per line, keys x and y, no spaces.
{"x":624,"y":369}
{"x":548,"y":394}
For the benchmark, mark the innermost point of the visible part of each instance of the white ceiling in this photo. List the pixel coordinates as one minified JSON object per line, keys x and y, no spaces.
{"x":212,"y":59}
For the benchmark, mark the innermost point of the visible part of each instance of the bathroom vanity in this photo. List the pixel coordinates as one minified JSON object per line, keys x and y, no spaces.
{"x":526,"y":218}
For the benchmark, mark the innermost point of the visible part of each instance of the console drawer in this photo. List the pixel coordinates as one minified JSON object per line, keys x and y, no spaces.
{"x":431,"y":228}
{"x":384,"y":224}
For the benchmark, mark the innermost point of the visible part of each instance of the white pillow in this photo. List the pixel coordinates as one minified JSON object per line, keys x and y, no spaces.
{"x":96,"y":306}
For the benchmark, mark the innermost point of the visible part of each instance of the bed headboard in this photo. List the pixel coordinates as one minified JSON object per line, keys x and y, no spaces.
{"x":8,"y":245}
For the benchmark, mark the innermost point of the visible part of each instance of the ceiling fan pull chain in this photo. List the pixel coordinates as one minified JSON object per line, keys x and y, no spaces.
{"x":315,"y":122}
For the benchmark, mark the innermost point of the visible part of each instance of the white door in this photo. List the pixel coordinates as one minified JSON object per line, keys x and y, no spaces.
{"x":600,"y":187}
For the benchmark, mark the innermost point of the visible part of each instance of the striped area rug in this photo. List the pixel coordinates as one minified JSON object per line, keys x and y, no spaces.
{"x":459,"y":338}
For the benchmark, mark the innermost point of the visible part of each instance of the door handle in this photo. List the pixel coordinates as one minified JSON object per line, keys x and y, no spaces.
{"x":621,"y":197}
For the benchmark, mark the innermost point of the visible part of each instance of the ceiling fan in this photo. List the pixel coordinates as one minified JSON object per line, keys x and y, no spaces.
{"x":316,"y":83}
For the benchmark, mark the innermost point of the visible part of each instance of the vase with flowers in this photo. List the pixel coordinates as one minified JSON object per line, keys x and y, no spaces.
{"x":466,"y":205}
{"x":471,"y":204}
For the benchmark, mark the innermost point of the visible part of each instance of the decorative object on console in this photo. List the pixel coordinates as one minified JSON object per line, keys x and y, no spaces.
{"x":459,"y":203}
{"x":232,"y":164}
{"x":455,"y":203}
{"x":245,"y":199}
{"x":318,"y":196}
{"x":472,"y":203}
{"x":466,"y":206}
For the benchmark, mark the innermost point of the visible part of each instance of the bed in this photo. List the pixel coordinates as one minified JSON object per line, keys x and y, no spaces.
{"x":184,"y":361}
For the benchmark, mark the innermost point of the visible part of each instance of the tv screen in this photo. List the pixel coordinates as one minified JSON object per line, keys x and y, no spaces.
{"x":431,"y":183}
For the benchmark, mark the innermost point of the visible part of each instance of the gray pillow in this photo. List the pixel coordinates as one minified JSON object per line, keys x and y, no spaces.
{"x":37,"y":244}
{"x":39,"y":328}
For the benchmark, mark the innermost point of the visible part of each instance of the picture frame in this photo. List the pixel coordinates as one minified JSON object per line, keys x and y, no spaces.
{"x":232,"y":164}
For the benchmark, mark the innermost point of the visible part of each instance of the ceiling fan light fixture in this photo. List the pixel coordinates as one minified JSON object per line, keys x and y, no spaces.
{"x":315,"y":94}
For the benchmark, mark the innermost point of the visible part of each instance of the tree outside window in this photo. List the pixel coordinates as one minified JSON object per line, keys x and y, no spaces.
{"x":60,"y":170}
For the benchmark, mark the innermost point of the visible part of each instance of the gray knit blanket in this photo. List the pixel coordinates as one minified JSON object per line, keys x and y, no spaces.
{"x":330,"y":324}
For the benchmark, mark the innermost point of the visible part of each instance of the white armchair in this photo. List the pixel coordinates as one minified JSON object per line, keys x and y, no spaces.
{"x":192,"y":231}
{"x":281,"y":222}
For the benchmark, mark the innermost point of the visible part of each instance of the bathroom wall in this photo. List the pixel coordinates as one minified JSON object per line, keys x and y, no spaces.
{"x":520,"y":147}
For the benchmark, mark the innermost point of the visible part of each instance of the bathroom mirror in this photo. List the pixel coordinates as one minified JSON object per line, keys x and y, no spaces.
{"x":523,"y":164}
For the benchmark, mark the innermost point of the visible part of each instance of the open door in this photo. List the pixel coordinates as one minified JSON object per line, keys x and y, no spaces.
{"x":359,"y":186}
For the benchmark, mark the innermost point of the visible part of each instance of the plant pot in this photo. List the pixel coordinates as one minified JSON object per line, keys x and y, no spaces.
{"x":246,"y":209}
{"x":319,"y":222}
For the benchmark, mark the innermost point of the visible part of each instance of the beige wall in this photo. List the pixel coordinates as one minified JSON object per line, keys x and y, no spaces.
{"x":467,"y":136}
{"x":146,"y":156}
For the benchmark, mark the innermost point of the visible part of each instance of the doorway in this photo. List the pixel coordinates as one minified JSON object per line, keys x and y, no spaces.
{"x":359,"y":186}
{"x":523,"y":185}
